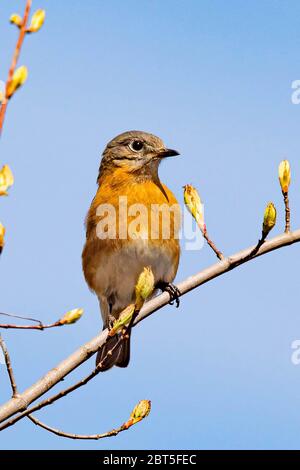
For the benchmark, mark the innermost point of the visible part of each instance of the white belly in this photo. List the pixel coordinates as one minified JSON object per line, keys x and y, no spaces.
{"x":117,"y":275}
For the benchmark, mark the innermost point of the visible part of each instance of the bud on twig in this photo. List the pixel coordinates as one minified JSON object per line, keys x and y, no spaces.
{"x":37,"y":21}
{"x":16,"y":19}
{"x":71,"y":317}
{"x":19,"y":77}
{"x":284,"y":173}
{"x":193,"y":203}
{"x":141,"y":411}
{"x":6,"y":180}
{"x":123,"y":320}
{"x":144,"y":287}
{"x":269,"y":219}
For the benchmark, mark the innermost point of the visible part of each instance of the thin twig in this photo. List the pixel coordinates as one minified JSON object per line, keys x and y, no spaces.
{"x":287,"y":211}
{"x":111,"y":433}
{"x":14,"y":61}
{"x":257,"y":247}
{"x":212,"y":244}
{"x":21,"y":318}
{"x":56,"y":374}
{"x":9,"y":368}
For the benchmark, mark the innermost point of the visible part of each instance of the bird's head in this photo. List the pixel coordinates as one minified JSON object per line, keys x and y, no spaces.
{"x":136,"y":151}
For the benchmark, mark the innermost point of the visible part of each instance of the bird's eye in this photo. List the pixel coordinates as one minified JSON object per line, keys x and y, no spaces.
{"x":136,"y":145}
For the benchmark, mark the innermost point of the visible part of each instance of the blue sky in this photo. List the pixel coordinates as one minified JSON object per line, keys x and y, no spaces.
{"x":213,"y":79}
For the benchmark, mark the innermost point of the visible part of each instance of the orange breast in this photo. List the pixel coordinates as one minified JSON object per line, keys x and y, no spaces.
{"x":145,"y":209}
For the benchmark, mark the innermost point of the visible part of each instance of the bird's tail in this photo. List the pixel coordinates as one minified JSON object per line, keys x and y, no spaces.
{"x":115,"y":352}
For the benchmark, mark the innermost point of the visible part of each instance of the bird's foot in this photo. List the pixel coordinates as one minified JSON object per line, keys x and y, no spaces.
{"x":172,"y":290}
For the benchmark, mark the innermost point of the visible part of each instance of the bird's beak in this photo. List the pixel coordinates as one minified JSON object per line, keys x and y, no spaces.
{"x":168,"y":153}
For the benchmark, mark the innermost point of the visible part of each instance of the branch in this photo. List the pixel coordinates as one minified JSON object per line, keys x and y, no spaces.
{"x":9,"y":368}
{"x":14,"y":61}
{"x":63,"y":393}
{"x":140,"y":411}
{"x":91,"y":347}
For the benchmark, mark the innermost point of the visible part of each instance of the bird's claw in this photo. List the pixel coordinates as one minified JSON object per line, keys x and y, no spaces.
{"x":173,"y":292}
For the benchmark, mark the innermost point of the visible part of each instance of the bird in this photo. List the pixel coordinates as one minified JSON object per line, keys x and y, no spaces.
{"x":120,"y":244}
